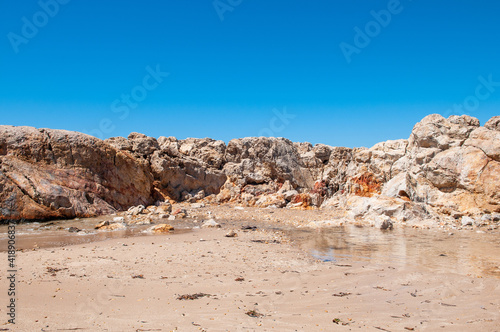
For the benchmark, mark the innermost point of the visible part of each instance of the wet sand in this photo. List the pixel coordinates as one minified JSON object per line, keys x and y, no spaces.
{"x":56,"y":233}
{"x":345,"y":278}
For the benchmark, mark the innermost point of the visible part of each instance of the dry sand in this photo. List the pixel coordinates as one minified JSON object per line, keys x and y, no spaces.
{"x":260,"y":271}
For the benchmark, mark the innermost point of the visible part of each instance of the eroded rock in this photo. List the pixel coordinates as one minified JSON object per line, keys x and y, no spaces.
{"x":162,"y":228}
{"x":447,"y":169}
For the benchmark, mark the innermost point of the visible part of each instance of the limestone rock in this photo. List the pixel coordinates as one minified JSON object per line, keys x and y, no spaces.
{"x":197,"y":205}
{"x":467,"y":221}
{"x":397,"y":187}
{"x":107,"y":226}
{"x":162,"y":228}
{"x":383,"y":224}
{"x":136,"y":210}
{"x":493,"y":123}
{"x":447,"y":169}
{"x":102,"y":224}
{"x":165,"y":207}
{"x":48,"y":173}
{"x":486,"y":140}
{"x":271,"y":201}
{"x":289,"y":195}
{"x":211,"y":223}
{"x":434,"y":131}
{"x":180,"y":213}
{"x":140,"y":221}
{"x":461,"y":179}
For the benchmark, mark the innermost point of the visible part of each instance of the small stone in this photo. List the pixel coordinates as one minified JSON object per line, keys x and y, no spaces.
{"x":102,"y":224}
{"x":135,"y":210}
{"x":145,"y":221}
{"x":111,"y":227}
{"x":180,"y":214}
{"x":118,"y":219}
{"x":164,"y":216}
{"x":165,"y":207}
{"x":467,"y":221}
{"x":387,"y":224}
{"x":74,"y":230}
{"x":290,"y":194}
{"x":171,"y":218}
{"x":486,"y":218}
{"x":200,"y":195}
{"x":383,"y":224}
{"x":231,"y":234}
{"x":161,"y":228}
{"x":211,"y":224}
{"x":197,"y":205}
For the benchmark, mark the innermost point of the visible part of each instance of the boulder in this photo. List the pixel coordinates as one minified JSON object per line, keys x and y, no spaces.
{"x":486,"y":140}
{"x":434,"y":131}
{"x":48,"y":173}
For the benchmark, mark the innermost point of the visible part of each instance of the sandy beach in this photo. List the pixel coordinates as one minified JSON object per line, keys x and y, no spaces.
{"x":267,"y":279}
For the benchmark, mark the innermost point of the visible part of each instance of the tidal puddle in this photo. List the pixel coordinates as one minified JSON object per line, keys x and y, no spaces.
{"x":434,"y":250}
{"x":56,"y":233}
{"x":464,"y":252}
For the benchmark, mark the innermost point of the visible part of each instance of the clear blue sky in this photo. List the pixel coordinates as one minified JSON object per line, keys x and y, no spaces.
{"x":228,"y":77}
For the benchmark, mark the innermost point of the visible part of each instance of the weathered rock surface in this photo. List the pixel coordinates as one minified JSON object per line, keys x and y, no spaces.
{"x":61,"y":174}
{"x":108,"y":226}
{"x":162,"y":228}
{"x":211,"y":223}
{"x":447,"y":169}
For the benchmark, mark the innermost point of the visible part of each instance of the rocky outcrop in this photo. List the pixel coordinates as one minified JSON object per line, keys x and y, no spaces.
{"x":60,"y":174}
{"x":459,"y":174}
{"x":183,"y":170}
{"x":446,"y":170}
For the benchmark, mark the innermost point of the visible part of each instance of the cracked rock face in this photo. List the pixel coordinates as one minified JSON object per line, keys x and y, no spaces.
{"x":457,"y":171}
{"x":448,"y":168}
{"x":61,"y":174}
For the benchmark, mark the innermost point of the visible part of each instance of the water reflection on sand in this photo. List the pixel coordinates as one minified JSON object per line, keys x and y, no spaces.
{"x":432,"y":250}
{"x":56,"y":233}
